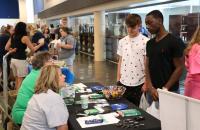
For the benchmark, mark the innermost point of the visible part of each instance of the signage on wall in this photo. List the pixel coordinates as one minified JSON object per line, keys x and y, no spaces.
{"x":9,"y":9}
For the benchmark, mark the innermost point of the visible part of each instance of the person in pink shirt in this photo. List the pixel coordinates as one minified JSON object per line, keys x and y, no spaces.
{"x":192,"y":63}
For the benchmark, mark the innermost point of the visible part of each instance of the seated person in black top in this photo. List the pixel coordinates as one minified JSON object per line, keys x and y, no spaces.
{"x":164,"y":57}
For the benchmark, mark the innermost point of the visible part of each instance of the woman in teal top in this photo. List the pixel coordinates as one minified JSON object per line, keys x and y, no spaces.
{"x":26,"y":90}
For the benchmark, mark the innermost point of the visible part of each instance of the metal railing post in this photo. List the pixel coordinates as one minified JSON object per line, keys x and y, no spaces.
{"x":5,"y":83}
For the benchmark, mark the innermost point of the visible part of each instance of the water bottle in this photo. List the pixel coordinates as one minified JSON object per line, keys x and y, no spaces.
{"x":84,"y":101}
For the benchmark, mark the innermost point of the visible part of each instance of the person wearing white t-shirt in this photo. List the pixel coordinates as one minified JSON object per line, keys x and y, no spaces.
{"x":46,"y":109}
{"x":132,"y":51}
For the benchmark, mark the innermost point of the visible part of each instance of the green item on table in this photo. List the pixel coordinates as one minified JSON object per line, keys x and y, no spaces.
{"x":130,"y":112}
{"x":68,"y":100}
{"x":78,"y":102}
{"x":91,"y":111}
{"x":96,"y":96}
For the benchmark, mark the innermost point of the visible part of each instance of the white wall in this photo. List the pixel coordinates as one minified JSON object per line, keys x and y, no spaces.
{"x":8,"y":21}
{"x":22,"y":10}
{"x":22,"y":15}
{"x":51,"y":3}
{"x":182,"y":114}
{"x":30,"y":11}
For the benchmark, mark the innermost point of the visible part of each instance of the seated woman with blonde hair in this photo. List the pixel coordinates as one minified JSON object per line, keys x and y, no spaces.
{"x":46,"y":109}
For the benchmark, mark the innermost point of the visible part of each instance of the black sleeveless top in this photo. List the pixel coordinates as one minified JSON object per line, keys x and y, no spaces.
{"x":16,"y":42}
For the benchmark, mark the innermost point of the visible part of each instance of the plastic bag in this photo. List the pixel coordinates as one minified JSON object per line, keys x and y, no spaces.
{"x":143,"y":102}
{"x":153,"y":110}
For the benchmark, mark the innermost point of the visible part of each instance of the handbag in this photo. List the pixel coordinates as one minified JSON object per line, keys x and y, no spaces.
{"x":143,"y":102}
{"x":153,"y":110}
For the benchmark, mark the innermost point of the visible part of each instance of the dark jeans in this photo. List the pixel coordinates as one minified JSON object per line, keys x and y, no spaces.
{"x":132,"y":93}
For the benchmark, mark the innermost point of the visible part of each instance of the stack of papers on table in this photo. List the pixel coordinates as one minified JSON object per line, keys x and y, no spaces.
{"x":80,"y":85}
{"x":80,"y":88}
{"x":109,"y":118}
{"x":96,"y":101}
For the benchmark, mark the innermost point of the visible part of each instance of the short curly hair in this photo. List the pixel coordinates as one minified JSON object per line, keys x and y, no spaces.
{"x":156,"y":14}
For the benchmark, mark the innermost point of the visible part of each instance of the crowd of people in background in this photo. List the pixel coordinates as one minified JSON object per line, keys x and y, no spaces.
{"x":23,"y":40}
{"x":29,"y":44}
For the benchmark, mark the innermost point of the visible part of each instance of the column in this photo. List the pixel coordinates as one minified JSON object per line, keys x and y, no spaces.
{"x":69,"y":22}
{"x":99,"y":36}
{"x":22,"y":11}
{"x":30,"y":11}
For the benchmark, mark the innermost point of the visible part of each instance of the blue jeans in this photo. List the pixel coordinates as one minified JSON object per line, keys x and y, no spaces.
{"x":69,"y":62}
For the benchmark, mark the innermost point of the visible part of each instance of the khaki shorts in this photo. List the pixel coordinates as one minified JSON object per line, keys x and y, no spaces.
{"x":19,"y":67}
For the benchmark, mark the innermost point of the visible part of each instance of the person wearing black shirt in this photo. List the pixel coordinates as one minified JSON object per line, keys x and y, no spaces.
{"x":4,"y":37}
{"x":164,"y":57}
{"x":17,"y":45}
{"x":3,"y":40}
{"x":35,"y":39}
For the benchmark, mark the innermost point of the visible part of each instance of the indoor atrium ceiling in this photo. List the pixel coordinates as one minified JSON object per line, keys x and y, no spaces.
{"x":86,"y":7}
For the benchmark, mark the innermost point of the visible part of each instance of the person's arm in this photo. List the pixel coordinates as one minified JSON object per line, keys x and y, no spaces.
{"x":179,"y":66}
{"x":62,"y":127}
{"x":8,"y":44}
{"x":27,"y":41}
{"x":69,"y":43}
{"x":177,"y":47}
{"x":120,"y":54}
{"x":8,"y":47}
{"x":149,"y":85}
{"x":119,"y":68}
{"x":65,"y":46}
{"x":144,"y":87}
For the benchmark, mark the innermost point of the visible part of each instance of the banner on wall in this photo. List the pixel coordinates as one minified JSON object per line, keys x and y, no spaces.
{"x":9,"y":9}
